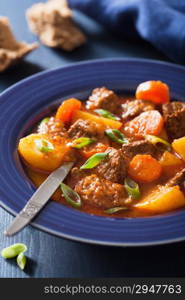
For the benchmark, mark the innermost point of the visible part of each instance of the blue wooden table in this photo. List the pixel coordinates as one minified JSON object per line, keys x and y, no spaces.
{"x":50,"y":256}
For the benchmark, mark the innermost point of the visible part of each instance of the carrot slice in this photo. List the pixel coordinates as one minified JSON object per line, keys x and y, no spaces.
{"x":155,"y":91}
{"x":144,"y":168}
{"x":67,"y":110}
{"x":93,"y":149}
{"x":149,"y":122}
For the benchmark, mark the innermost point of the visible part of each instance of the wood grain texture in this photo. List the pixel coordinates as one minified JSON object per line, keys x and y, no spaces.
{"x":50,"y":256}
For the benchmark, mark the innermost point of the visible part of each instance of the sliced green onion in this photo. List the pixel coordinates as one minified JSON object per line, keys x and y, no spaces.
{"x":132,"y":188}
{"x":21,"y":260}
{"x":106,"y":114}
{"x":71,"y":196}
{"x":45,"y":120}
{"x":155,"y":140}
{"x":44,"y":145}
{"x":94,"y":160}
{"x":13,"y":250}
{"x":16,"y":250}
{"x":42,"y":123}
{"x":116,"y":136}
{"x":114,"y":210}
{"x":82,"y":142}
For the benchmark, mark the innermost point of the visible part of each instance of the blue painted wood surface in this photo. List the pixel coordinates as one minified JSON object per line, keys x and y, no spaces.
{"x":50,"y":256}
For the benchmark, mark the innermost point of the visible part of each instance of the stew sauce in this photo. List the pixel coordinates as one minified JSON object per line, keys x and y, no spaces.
{"x":128,"y":152}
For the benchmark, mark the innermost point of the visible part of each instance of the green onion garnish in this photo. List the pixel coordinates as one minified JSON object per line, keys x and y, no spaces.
{"x":13,"y":250}
{"x":82,"y":142}
{"x":45,"y":120}
{"x":16,"y":250}
{"x":132,"y":188}
{"x":42,"y":124}
{"x":94,"y":160}
{"x":44,"y":145}
{"x":116,"y":136}
{"x":155,"y":140}
{"x":114,"y":210}
{"x":21,"y":261}
{"x":71,"y":196}
{"x":106,"y":114}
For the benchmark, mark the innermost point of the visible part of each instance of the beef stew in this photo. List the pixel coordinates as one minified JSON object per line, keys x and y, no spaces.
{"x":129,"y":153}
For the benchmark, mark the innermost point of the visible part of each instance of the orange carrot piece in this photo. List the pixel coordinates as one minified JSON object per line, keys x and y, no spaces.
{"x":93,"y":149}
{"x":149,"y":122}
{"x":67,"y":109}
{"x":155,"y":91}
{"x":144,"y":168}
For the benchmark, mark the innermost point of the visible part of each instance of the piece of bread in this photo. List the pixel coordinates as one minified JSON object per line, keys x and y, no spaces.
{"x":11,"y":51}
{"x":52,"y":22}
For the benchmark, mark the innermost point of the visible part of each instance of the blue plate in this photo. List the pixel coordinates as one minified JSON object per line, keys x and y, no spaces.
{"x":22,"y":105}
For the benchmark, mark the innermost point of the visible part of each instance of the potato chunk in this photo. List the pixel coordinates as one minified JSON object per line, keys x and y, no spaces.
{"x":170,"y":163}
{"x":162,"y":200}
{"x":104,"y":123}
{"x":170,"y":160}
{"x":179,"y":146}
{"x":44,"y":161}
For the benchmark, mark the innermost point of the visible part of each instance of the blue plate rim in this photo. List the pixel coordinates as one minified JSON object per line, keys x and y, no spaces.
{"x":86,"y":62}
{"x":42,"y":74}
{"x":93,"y":242}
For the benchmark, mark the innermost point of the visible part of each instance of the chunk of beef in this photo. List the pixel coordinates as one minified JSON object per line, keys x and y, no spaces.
{"x":140,"y":147}
{"x":174,"y":117}
{"x":113,"y":167}
{"x":178,"y":179}
{"x":104,"y":98}
{"x":75,"y":175}
{"x":100,"y":192}
{"x":84,"y":128}
{"x":132,"y":109}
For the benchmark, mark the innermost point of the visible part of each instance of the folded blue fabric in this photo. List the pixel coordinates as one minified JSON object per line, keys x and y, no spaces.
{"x":160,"y":22}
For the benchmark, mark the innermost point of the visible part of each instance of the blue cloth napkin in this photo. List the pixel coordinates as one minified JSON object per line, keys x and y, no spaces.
{"x":160,"y":22}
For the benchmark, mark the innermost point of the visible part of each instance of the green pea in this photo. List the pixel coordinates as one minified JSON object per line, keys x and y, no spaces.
{"x":21,"y":260}
{"x":13,"y":250}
